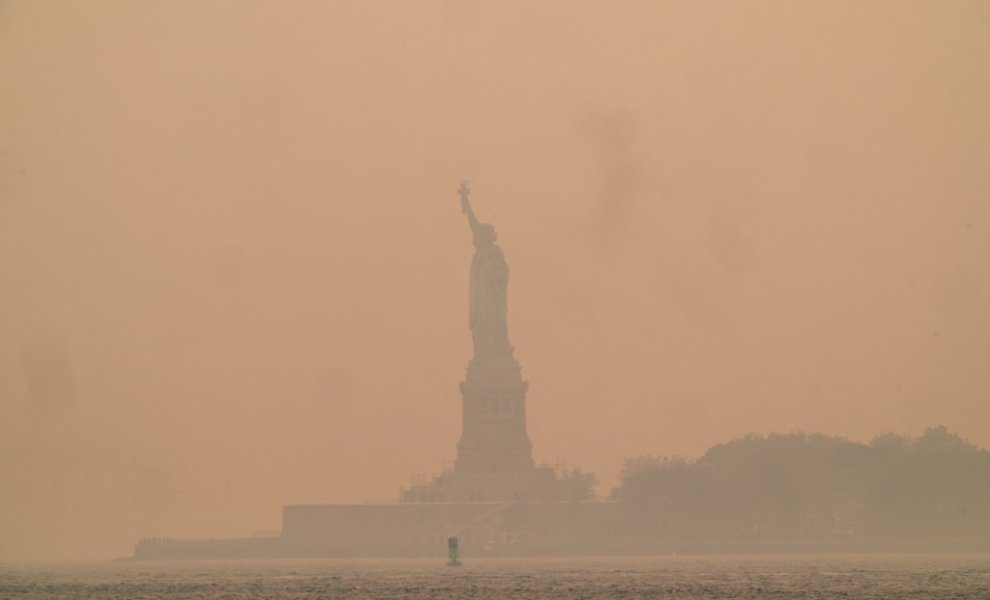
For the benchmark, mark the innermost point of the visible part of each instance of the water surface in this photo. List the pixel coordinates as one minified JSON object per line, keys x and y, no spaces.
{"x":860,"y":576}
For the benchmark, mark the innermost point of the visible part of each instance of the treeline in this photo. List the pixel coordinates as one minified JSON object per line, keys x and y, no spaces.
{"x":813,"y":487}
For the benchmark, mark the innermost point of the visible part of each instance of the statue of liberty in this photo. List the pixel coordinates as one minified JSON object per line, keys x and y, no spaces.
{"x":488,"y":305}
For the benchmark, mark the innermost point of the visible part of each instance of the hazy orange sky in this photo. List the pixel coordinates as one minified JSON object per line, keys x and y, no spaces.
{"x":233,"y":265}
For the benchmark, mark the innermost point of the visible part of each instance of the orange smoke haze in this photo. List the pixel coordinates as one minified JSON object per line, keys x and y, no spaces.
{"x":233,"y":265}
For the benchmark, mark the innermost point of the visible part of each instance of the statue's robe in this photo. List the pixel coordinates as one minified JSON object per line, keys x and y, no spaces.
{"x":488,"y":304}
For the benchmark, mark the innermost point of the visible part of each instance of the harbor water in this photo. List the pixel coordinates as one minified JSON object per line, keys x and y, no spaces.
{"x":807,"y":576}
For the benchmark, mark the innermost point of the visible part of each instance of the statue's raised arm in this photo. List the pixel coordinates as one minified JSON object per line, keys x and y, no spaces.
{"x":464,"y":191}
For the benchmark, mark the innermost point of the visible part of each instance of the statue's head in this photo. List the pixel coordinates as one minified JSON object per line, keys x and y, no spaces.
{"x":485,"y":235}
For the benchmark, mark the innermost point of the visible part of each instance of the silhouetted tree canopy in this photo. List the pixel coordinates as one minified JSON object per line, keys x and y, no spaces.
{"x":575,"y":485}
{"x":800,"y":486}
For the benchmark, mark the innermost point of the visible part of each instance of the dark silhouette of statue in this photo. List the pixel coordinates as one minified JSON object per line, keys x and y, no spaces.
{"x":488,"y":304}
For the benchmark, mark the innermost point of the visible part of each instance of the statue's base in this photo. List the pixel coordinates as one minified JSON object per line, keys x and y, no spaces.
{"x":536,"y":483}
{"x":493,"y":433}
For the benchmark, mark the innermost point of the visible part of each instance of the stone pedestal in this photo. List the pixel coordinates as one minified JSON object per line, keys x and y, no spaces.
{"x":494,"y":456}
{"x":493,"y":419}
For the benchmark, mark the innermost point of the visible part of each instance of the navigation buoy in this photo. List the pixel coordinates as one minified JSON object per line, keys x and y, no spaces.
{"x":453,"y":553}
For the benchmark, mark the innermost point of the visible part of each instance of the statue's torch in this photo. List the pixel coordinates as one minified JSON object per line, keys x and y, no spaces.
{"x":464,"y":190}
